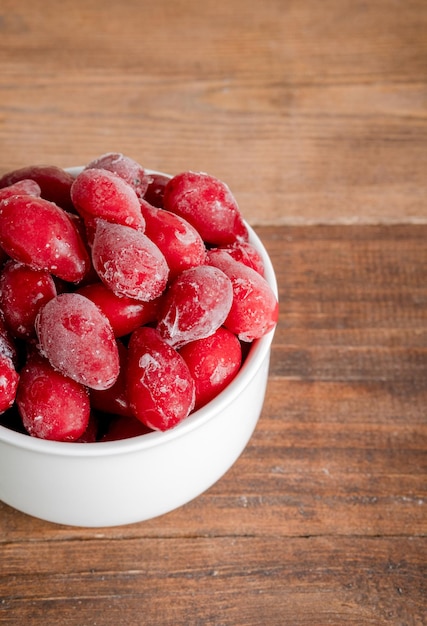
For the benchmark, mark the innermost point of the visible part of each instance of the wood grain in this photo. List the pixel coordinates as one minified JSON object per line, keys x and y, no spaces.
{"x":318,"y":581}
{"x":312,"y":112}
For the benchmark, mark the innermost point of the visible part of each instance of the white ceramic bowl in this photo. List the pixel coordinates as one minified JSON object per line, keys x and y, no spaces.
{"x":122,"y":482}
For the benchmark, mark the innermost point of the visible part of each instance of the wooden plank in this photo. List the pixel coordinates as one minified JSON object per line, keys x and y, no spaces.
{"x":312,"y":581}
{"x":312,"y":114}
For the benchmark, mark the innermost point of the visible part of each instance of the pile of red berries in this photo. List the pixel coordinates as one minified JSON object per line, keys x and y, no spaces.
{"x":122,"y":293}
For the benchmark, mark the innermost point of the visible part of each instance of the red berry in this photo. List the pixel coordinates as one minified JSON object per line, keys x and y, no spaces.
{"x":23,"y":291}
{"x":213,"y":363}
{"x":254,"y":311}
{"x":125,"y":427}
{"x":208,"y":204}
{"x":128,"y":262}
{"x":9,"y":379}
{"x":160,"y":386}
{"x":78,"y":340}
{"x":54,"y":182}
{"x":179,"y":242}
{"x":7,"y":344}
{"x":195,"y":305}
{"x":125,"y":167}
{"x":246,"y":253}
{"x":90,"y":434}
{"x":99,"y":193}
{"x":124,"y":314}
{"x":54,"y":245}
{"x":156,"y":189}
{"x":114,"y":399}
{"x":52,"y":406}
{"x":25,"y":187}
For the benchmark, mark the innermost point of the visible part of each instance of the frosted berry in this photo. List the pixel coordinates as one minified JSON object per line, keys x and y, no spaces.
{"x":180,"y":243}
{"x":195,"y":305}
{"x":213,"y":363}
{"x":54,"y":245}
{"x":114,"y":399}
{"x":78,"y":340}
{"x":254,"y":310}
{"x":25,"y":187}
{"x":51,"y":405}
{"x":125,"y":167}
{"x":160,"y":388}
{"x":54,"y":182}
{"x":128,"y":262}
{"x":99,"y":193}
{"x":208,"y":204}
{"x":9,"y":379}
{"x":23,"y":291}
{"x":246,"y":253}
{"x":124,"y":314}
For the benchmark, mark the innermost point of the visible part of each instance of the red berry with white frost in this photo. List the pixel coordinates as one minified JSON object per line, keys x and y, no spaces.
{"x":180,"y":243}
{"x":160,"y":387}
{"x":124,"y":314}
{"x":54,"y":245}
{"x":208,"y":204}
{"x":23,"y":291}
{"x":9,"y":379}
{"x":213,"y":362}
{"x":195,"y":305}
{"x":24,"y":187}
{"x":51,"y":405}
{"x":54,"y":182}
{"x":98,"y":193}
{"x":78,"y":340}
{"x":125,"y":167}
{"x":128,"y":262}
{"x":254,"y":310}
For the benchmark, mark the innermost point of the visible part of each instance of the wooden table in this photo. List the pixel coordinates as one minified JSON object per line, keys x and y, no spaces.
{"x":315,"y":114}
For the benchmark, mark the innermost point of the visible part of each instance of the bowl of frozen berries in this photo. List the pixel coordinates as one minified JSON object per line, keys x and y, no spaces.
{"x":137,"y":312}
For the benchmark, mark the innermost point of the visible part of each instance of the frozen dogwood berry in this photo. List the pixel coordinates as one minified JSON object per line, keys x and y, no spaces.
{"x":213,"y":362}
{"x":23,"y":291}
{"x":98,"y":193}
{"x":25,"y":187}
{"x":156,"y":189}
{"x":9,"y":377}
{"x":114,"y":399}
{"x":246,"y":253}
{"x":160,"y":388}
{"x":52,"y":406}
{"x":125,"y":167}
{"x":54,"y":245}
{"x":124,"y":314}
{"x":7,"y":343}
{"x":208,"y":204}
{"x":195,"y":305}
{"x":128,"y":262}
{"x":54,"y":182}
{"x":255,"y":309}
{"x":124,"y":427}
{"x":180,"y":243}
{"x":78,"y":340}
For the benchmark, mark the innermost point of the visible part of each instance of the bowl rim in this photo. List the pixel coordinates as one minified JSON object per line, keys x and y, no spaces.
{"x":254,"y":360}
